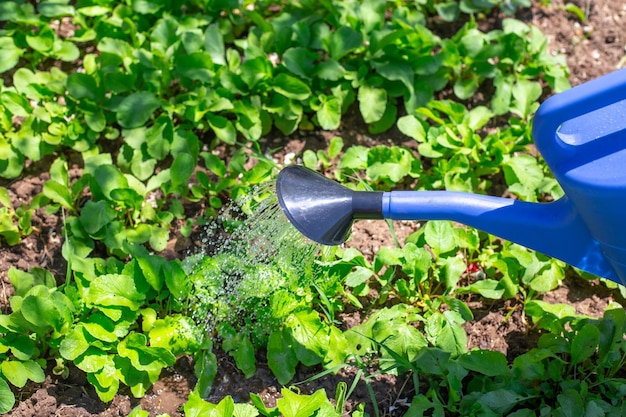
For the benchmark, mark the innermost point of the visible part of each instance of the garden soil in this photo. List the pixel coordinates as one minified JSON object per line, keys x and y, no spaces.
{"x":592,"y":48}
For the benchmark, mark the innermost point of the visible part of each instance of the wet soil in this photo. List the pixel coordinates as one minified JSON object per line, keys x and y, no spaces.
{"x":592,"y":48}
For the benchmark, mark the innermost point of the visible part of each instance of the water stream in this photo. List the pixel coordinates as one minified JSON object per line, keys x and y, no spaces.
{"x":251,"y":252}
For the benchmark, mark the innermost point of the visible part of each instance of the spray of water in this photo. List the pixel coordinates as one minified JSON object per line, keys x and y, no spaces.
{"x":252,"y":251}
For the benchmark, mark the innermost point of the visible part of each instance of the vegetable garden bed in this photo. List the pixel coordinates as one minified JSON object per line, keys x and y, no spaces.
{"x":125,"y":127}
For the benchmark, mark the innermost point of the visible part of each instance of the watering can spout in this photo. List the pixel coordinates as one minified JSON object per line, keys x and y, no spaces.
{"x":555,"y":229}
{"x":324,"y":211}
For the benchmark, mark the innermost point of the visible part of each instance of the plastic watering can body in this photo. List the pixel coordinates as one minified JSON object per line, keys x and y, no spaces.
{"x":581,"y":133}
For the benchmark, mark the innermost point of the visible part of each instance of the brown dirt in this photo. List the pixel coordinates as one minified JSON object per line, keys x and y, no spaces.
{"x":592,"y":48}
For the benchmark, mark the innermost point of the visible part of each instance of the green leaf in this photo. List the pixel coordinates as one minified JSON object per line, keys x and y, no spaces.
{"x":41,"y":311}
{"x":196,"y":66}
{"x":116,"y":47}
{"x":7,"y":398}
{"x":488,"y":288}
{"x":592,"y":409}
{"x":158,"y":238}
{"x":101,"y":327}
{"x":146,"y":6}
{"x":281,"y":357}
{"x":300,"y":61}
{"x":94,"y":216}
{"x":93,"y":11}
{"x":577,"y":11}
{"x":291,"y":87}
{"x":329,"y":114}
{"x":548,"y":316}
{"x":523,"y":175}
{"x":502,"y":400}
{"x":181,"y":170}
{"x":386,"y":121}
{"x":214,"y":44}
{"x":81,"y":86}
{"x":310,"y":336}
{"x":205,"y":368}
{"x":93,"y":360}
{"x":297,"y":405}
{"x":176,"y":280}
{"x":439,"y":236}
{"x":448,"y":11}
{"x":165,"y":32}
{"x":357,"y":276}
{"x":108,"y":178}
{"x":245,"y":410}
{"x":196,"y":406}
{"x":127,"y":196}
{"x":343,"y":41}
{"x":547,"y":280}
{"x":9,"y":57}
{"x":432,"y":361}
{"x":73,"y":344}
{"x":585,"y":343}
{"x":145,"y":358}
{"x":22,"y":346}
{"x":55,"y":9}
{"x":478,"y":117}
{"x":16,"y":103}
{"x":244,"y":357}
{"x":139,"y":412}
{"x":59,"y":193}
{"x":446,"y":333}
{"x":355,"y":157}
{"x":410,"y":126}
{"x":501,"y":101}
{"x":466,"y":86}
{"x":115,"y":290}
{"x":571,"y":403}
{"x":404,"y":340}
{"x":393,"y":163}
{"x":193,"y":40}
{"x":525,"y":98}
{"x":65,"y":51}
{"x":177,"y":333}
{"x":403,"y":72}
{"x":459,"y":307}
{"x":226,"y":407}
{"x":5,"y":198}
{"x":15,"y":372}
{"x":372,"y":103}
{"x":34,"y":372}
{"x":105,"y":392}
{"x":335,"y":146}
{"x":487,"y":362}
{"x":136,"y":109}
{"x":152,"y":266}
{"x":452,"y":268}
{"x":43,"y":41}
{"x":255,"y":70}
{"x":223,"y":128}
{"x":330,"y":70}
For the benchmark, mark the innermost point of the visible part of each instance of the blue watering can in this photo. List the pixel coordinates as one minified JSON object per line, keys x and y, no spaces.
{"x":581,"y":134}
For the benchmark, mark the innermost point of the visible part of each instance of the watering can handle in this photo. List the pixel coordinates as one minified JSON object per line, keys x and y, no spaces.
{"x":580,"y":100}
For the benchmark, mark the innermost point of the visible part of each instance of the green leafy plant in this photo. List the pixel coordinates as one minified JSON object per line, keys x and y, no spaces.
{"x":14,"y":223}
{"x":135,"y":111}
{"x":92,"y":322}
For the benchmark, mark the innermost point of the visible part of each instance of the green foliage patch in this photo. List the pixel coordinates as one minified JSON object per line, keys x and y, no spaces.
{"x":138,"y":110}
